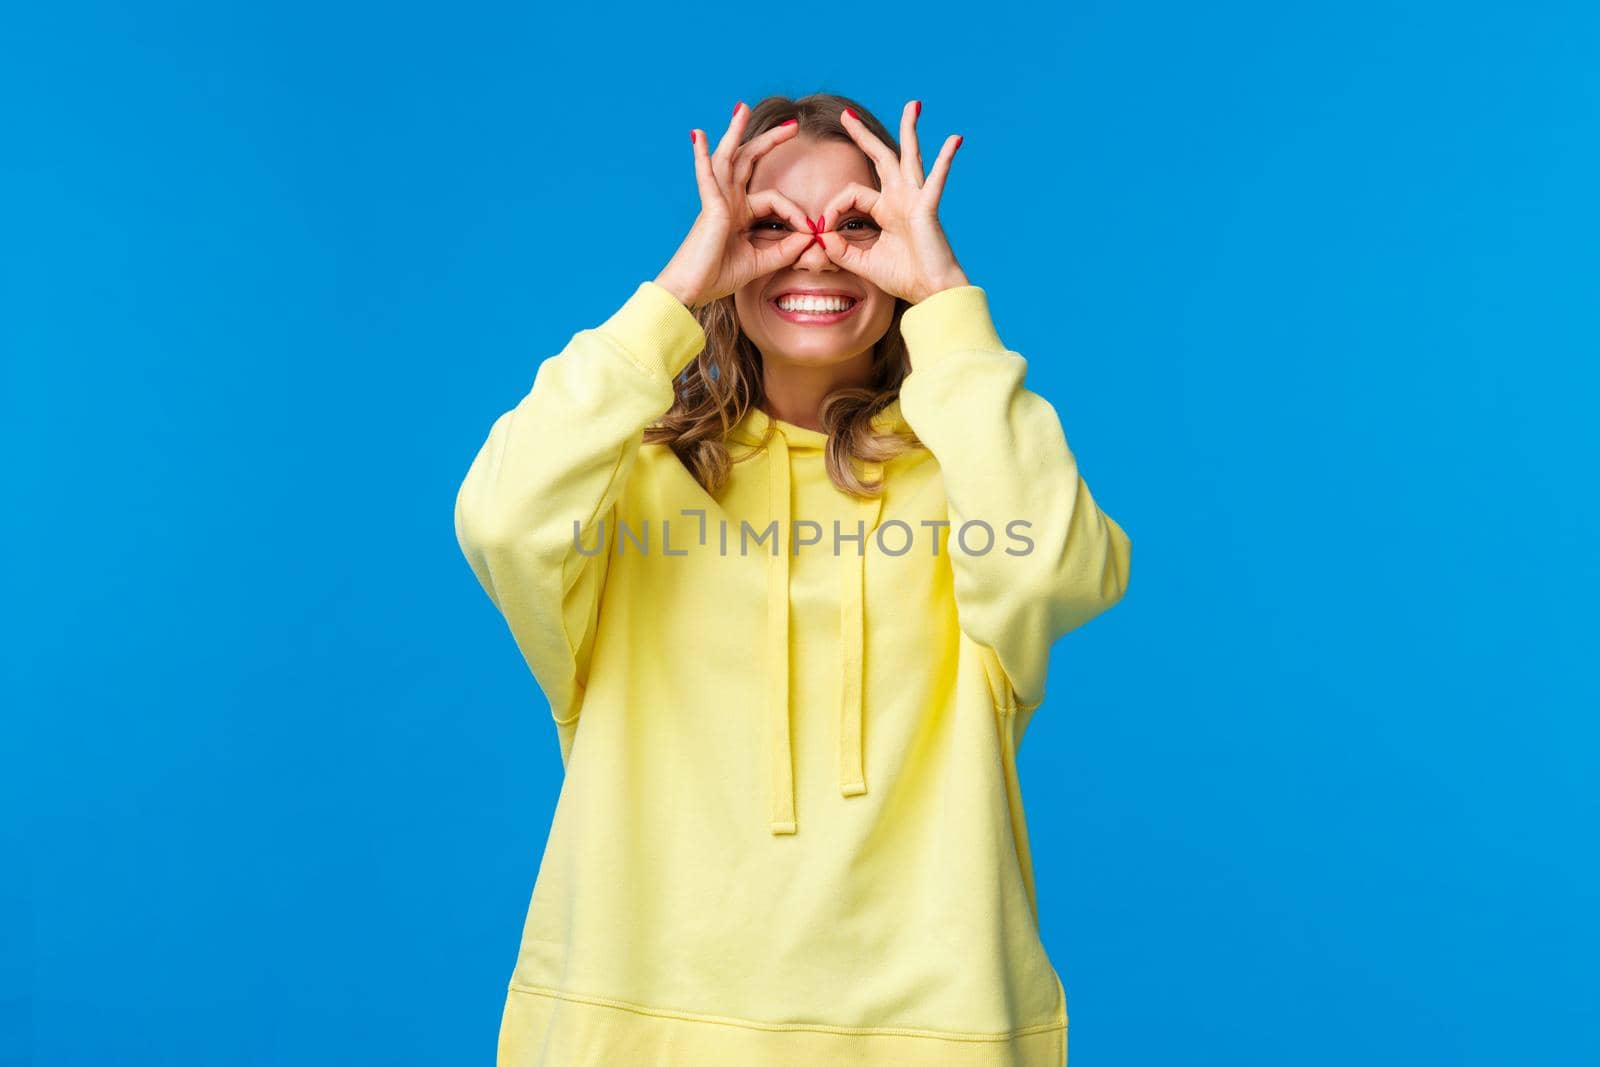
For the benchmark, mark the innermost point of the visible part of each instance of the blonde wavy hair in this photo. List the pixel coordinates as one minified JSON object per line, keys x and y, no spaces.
{"x":721,"y":385}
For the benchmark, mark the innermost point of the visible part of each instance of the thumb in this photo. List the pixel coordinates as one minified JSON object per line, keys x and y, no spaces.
{"x":842,"y":251}
{"x":782,"y":253}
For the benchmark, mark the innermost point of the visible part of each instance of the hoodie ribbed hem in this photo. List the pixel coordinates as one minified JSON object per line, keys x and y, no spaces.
{"x":658,"y":333}
{"x":951,"y":320}
{"x":546,"y":1027}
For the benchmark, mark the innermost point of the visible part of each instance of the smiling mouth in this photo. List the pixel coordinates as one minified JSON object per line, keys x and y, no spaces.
{"x":805,"y":317}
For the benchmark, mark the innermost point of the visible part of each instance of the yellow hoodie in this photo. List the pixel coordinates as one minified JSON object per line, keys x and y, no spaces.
{"x":790,"y":830}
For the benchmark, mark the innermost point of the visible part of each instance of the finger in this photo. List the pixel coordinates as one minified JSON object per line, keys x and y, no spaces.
{"x":910,"y":151}
{"x":844,"y":253}
{"x":744,"y":159}
{"x":710,"y":193}
{"x":934,"y":187}
{"x":768,"y":255}
{"x":887,"y":164}
{"x":722,"y":158}
{"x":781,"y":254}
{"x":853,"y":197}
{"x":771,"y":202}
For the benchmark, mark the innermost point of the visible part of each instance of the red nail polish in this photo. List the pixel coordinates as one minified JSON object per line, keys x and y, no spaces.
{"x":788,"y":122}
{"x":959,"y":139}
{"x":918,"y":112}
{"x":852,"y":113}
{"x":691,"y":136}
{"x":737,"y":106}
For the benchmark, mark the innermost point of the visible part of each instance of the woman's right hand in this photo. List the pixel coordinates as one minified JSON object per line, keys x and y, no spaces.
{"x":721,"y":253}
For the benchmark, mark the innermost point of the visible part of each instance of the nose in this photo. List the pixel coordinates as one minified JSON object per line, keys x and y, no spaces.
{"x":814,"y":256}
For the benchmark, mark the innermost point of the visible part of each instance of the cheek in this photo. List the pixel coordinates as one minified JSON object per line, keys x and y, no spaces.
{"x":882,"y":309}
{"x":753,"y":322}
{"x":748,"y":309}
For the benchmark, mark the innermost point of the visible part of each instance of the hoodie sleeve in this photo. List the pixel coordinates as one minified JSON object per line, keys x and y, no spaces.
{"x":562,"y":456}
{"x":1004,"y":457}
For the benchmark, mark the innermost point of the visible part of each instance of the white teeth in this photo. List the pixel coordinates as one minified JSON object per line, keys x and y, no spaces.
{"x":815,"y":303}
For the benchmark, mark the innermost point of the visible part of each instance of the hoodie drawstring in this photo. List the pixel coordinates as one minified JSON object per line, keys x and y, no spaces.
{"x":852,"y":638}
{"x":852,"y":646}
{"x":782,"y":761}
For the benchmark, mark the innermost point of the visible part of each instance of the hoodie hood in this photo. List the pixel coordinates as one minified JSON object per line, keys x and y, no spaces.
{"x":786,"y":440}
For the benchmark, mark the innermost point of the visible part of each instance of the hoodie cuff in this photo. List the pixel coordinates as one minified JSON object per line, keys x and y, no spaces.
{"x":658,"y":333}
{"x":951,"y":320}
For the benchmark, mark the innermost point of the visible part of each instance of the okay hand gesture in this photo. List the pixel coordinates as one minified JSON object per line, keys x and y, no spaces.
{"x":898,"y":245}
{"x":719,"y":255}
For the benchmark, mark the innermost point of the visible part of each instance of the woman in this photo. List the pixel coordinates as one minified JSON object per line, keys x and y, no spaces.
{"x":786,"y":542}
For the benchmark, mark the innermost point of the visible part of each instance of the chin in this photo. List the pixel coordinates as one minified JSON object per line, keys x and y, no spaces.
{"x":816,"y":354}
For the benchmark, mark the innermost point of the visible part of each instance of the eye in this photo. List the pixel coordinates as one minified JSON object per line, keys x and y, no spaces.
{"x":867,"y":225}
{"x":768,"y":230}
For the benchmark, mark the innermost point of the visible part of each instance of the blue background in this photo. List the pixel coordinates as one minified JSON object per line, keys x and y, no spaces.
{"x":1313,"y":288}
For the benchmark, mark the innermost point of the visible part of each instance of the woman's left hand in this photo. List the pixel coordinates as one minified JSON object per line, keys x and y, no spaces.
{"x":910,"y":257}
